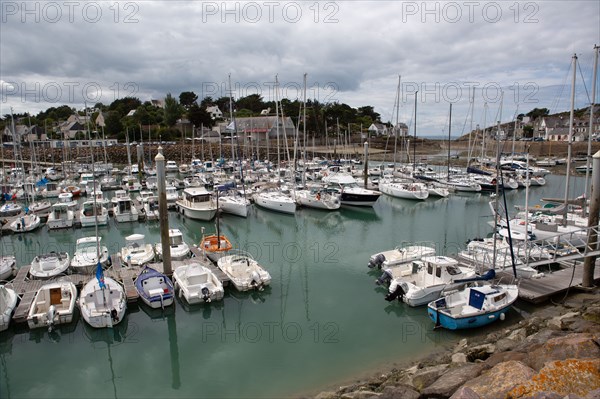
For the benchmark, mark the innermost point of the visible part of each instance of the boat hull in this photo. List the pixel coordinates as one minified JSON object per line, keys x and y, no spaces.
{"x":460,"y":323}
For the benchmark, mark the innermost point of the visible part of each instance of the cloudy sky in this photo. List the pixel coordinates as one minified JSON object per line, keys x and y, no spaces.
{"x":54,"y":53}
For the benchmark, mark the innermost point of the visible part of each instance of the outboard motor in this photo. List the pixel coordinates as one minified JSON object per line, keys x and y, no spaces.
{"x":396,"y":291}
{"x":205,"y":294}
{"x":114,"y":315}
{"x":376,"y":260}
{"x":256,"y":281}
{"x":50,"y":317}
{"x":385,"y":278}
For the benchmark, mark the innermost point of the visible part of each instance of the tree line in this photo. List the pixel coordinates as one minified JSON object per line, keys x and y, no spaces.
{"x":161,"y":121}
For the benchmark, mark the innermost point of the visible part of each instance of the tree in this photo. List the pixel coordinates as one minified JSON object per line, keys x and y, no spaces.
{"x":369,"y":111}
{"x":123,"y":105}
{"x":537,"y":112}
{"x":527,"y":131}
{"x":187,"y":99}
{"x":172,"y":111}
{"x":207,"y":102}
{"x":253,"y":102}
{"x":199,"y":116}
{"x":113,"y":125}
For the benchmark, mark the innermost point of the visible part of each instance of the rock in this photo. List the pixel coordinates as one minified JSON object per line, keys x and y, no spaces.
{"x":451,"y":380}
{"x":564,"y":377}
{"x":326,"y":395}
{"x":503,"y":377}
{"x":480,"y":352}
{"x":538,"y":338}
{"x":465,"y":393}
{"x":462,"y":344}
{"x":546,"y":395}
{"x":533,"y":325}
{"x":399,"y":392}
{"x":505,"y":344}
{"x":561,"y":322}
{"x":573,"y":346}
{"x":594,"y":394}
{"x":361,"y":395}
{"x":592,"y":313}
{"x":427,"y":376}
{"x":583,"y":326}
{"x":518,"y":335}
{"x":459,"y":358}
{"x":500,"y":357}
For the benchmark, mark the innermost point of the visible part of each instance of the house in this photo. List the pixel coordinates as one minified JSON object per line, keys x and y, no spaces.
{"x":23,"y":133}
{"x":73,"y":126}
{"x":258,"y":128}
{"x":378,"y":129}
{"x":215,"y":112}
{"x":400,"y":130}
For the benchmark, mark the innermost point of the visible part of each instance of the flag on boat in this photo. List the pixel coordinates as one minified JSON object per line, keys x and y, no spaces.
{"x":100,"y":275}
{"x":231,"y":126}
{"x":42,"y":182}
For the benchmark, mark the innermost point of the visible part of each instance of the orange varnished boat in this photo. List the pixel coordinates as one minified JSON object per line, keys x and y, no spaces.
{"x":214,"y":243}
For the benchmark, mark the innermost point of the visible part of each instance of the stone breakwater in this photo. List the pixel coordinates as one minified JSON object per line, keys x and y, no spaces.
{"x":553,"y":354}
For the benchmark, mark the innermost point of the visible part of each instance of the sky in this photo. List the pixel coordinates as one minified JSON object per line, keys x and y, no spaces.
{"x":516,"y":54}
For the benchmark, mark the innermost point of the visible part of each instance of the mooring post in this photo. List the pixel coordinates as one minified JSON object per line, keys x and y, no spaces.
{"x":366,"y":172}
{"x":592,"y":242}
{"x":163,"y":212}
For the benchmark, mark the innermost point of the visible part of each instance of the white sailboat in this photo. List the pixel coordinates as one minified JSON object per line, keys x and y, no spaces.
{"x":102,"y":302}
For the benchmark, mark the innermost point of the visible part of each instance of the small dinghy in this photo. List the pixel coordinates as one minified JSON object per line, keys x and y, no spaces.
{"x":155,"y":289}
{"x":8,"y":267}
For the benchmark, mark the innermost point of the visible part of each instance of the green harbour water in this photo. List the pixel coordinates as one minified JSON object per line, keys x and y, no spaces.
{"x":322,"y":321}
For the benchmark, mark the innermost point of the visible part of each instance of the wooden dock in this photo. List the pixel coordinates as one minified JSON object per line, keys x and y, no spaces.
{"x":537,"y":290}
{"x":126,"y":275}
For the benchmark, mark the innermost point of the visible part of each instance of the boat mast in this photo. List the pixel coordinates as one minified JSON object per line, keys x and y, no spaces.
{"x":277,"y":125}
{"x":304,"y":133}
{"x":589,"y":151}
{"x":94,"y":186}
{"x":415,"y":138}
{"x":397,"y":122}
{"x":449,"y":138}
{"x":570,"y":137}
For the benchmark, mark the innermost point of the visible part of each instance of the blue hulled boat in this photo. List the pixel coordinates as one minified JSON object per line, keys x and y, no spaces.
{"x":473,"y":307}
{"x":155,"y":288}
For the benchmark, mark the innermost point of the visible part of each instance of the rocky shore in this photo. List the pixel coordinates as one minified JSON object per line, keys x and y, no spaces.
{"x":553,"y":354}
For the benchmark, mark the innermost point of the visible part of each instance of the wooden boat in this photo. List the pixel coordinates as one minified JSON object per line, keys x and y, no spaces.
{"x":215,"y":247}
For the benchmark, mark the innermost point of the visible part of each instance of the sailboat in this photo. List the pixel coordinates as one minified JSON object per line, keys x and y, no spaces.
{"x":102,"y":301}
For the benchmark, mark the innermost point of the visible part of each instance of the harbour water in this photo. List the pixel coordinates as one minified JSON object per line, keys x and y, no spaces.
{"x":322,"y":320}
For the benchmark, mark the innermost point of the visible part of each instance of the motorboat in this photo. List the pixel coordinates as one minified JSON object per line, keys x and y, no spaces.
{"x":428,"y":278}
{"x":8,"y":266}
{"x":10,"y":209}
{"x":54,"y":304}
{"x":245,"y":272}
{"x":151,"y":208}
{"x":92,"y":214}
{"x":40,"y":207}
{"x":124,"y":210}
{"x":155,"y":288}
{"x":473,"y":307}
{"x":350,"y":192}
{"x":85,"y":258}
{"x":197,"y":284}
{"x":172,"y":196}
{"x":136,"y":252}
{"x":399,"y":255}
{"x":61,"y":217}
{"x":179,"y":249}
{"x":171,"y":167}
{"x":102,"y":302}
{"x":197,"y":203}
{"x":8,"y":303}
{"x":49,"y":265}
